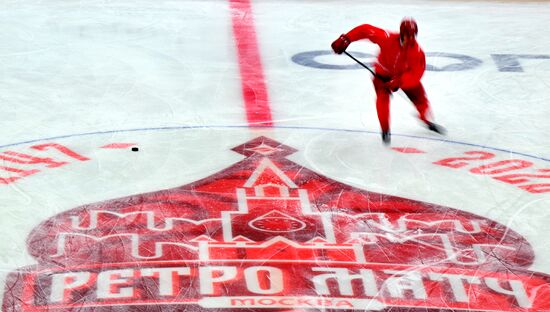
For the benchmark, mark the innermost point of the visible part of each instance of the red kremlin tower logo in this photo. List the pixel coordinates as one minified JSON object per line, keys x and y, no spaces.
{"x":270,"y":234}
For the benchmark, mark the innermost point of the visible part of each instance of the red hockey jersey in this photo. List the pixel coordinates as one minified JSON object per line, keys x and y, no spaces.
{"x":407,"y":63}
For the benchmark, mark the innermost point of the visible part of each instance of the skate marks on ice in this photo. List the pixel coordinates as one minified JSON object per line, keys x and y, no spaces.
{"x":226,"y":219}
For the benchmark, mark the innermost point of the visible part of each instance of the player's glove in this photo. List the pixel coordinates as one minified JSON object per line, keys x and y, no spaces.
{"x":392,"y":84}
{"x":341,"y":44}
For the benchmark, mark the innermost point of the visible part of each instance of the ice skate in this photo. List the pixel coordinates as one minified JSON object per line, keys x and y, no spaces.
{"x":435,"y":128}
{"x":386,"y":137}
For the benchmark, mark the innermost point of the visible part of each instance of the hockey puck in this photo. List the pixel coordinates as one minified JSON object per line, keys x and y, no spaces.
{"x":135,"y":149}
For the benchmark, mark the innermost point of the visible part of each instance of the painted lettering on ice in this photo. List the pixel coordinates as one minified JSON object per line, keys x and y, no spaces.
{"x":269,"y":233}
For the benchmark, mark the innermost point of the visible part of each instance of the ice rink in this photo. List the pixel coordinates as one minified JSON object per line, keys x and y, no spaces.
{"x":260,"y":181}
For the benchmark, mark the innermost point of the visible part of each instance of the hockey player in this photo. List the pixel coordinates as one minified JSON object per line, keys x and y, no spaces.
{"x":400,"y":65}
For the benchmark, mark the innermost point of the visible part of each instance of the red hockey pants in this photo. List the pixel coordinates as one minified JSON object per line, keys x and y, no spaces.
{"x":417,"y":95}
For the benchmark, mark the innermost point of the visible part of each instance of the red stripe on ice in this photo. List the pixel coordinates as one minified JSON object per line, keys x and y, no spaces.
{"x":258,"y":110}
{"x":408,"y":150}
{"x":118,"y":145}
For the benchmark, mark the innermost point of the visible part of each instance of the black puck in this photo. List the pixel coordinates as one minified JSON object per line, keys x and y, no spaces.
{"x":135,"y":149}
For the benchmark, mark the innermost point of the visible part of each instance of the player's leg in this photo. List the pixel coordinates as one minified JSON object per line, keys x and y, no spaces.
{"x":418,"y":97}
{"x":383,"y":109}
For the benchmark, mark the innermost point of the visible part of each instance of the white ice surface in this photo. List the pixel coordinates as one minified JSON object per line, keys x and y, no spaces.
{"x":96,"y":65}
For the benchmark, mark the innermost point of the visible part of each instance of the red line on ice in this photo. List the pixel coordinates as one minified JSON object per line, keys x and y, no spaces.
{"x":408,"y":150}
{"x":258,"y":110}
{"x":118,"y":145}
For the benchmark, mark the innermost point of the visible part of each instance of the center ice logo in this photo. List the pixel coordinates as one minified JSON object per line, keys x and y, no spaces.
{"x":267,"y":233}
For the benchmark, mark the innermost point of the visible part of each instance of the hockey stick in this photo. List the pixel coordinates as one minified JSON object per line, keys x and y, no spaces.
{"x":365,"y":66}
{"x":384,"y":79}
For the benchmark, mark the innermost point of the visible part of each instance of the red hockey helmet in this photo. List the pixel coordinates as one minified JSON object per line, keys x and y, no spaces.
{"x":408,"y":27}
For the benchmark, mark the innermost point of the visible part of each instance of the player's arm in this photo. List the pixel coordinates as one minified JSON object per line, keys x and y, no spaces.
{"x":369,"y":32}
{"x":365,"y":31}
